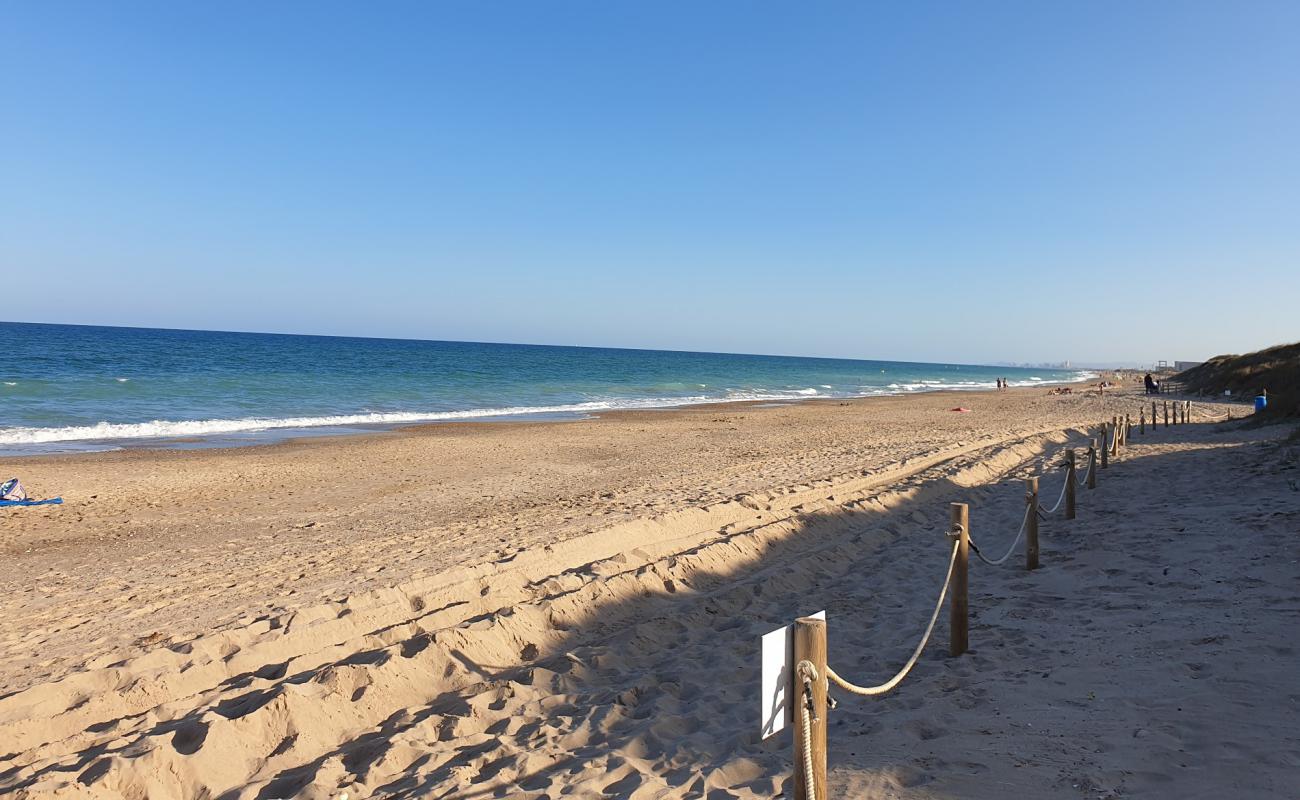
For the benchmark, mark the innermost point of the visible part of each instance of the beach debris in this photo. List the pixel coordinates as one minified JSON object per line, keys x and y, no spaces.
{"x":960,"y":410}
{"x":12,"y":493}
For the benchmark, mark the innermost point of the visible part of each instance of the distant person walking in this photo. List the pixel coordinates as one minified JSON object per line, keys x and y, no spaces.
{"x":1150,"y":384}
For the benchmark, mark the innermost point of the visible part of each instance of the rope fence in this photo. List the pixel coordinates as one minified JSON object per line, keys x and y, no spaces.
{"x":813,"y":676}
{"x":872,"y":691}
{"x":1029,"y":510}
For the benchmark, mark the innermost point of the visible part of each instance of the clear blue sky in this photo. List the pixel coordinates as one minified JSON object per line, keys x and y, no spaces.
{"x":934,"y":181}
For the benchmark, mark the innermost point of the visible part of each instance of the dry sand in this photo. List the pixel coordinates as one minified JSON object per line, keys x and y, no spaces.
{"x":573,"y":609}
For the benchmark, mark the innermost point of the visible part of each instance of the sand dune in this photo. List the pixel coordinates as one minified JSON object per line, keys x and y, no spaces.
{"x":620,"y":661}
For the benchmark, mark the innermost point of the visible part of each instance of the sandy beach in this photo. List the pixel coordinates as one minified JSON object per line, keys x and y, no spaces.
{"x":538,"y":610}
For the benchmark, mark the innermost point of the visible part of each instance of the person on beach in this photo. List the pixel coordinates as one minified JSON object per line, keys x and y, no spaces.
{"x":1150,"y":383}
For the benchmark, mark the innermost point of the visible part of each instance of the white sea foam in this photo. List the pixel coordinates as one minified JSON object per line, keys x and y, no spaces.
{"x":121,"y":380}
{"x":167,"y":429}
{"x":11,"y":383}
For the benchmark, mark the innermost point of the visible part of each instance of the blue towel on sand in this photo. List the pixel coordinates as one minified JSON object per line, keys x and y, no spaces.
{"x":53,"y":501}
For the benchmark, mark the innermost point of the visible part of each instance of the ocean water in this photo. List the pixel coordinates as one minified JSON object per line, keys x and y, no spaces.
{"x":72,"y":387}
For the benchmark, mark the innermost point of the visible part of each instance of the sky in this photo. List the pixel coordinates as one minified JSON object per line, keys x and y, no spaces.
{"x":932,"y":181}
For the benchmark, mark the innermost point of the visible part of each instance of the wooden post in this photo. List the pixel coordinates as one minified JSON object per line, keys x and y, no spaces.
{"x":1114,"y":435}
{"x":1187,"y":412}
{"x":810,"y":645}
{"x":1105,"y":446}
{"x":1166,"y":413}
{"x":1069,"y":483}
{"x":959,"y":608}
{"x":1142,"y":421}
{"x":1153,"y":415}
{"x":1031,"y":527}
{"x":1092,"y":465}
{"x":1128,"y":427}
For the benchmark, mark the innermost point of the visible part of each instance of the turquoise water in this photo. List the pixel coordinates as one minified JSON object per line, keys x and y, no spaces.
{"x":71,"y":387}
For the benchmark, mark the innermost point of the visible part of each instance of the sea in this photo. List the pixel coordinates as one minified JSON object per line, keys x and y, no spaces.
{"x":76,"y":388}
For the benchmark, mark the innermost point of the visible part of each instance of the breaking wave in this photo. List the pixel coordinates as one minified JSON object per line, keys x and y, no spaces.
{"x":169,"y":429}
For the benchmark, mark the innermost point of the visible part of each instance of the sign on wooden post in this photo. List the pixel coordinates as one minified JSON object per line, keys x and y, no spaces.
{"x":778,"y":678}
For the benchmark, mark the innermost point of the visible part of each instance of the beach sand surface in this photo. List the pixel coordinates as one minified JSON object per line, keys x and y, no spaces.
{"x":573,"y":609}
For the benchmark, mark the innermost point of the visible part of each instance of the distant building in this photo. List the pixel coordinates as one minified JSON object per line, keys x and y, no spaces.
{"x":1182,"y":365}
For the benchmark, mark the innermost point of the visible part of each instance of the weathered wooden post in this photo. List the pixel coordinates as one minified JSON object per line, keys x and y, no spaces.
{"x":1069,"y":483}
{"x":1128,"y":427}
{"x":1105,"y":446}
{"x":1031,"y":526}
{"x":1092,"y":464}
{"x":1142,"y":422}
{"x":959,"y":608}
{"x":1153,"y":415}
{"x":1187,"y":412}
{"x":1166,"y":413}
{"x":810,"y":645}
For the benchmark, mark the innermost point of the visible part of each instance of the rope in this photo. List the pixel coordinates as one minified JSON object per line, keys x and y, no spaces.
{"x":809,"y":784}
{"x":1012,"y":548}
{"x":1060,"y":499}
{"x":1091,"y":466}
{"x":807,"y":673}
{"x":871,"y":691}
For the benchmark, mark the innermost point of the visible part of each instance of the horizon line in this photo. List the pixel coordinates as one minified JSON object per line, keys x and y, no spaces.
{"x":540,"y":344}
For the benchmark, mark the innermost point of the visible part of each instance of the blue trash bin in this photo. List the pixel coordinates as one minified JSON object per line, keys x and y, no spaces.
{"x":1261,"y":402}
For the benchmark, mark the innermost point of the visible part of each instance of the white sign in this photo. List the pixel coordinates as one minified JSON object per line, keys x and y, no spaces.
{"x":778,"y":671}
